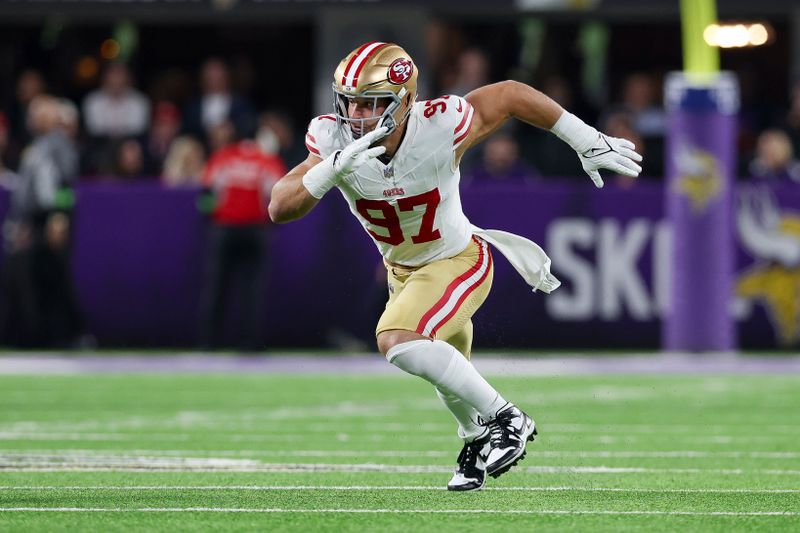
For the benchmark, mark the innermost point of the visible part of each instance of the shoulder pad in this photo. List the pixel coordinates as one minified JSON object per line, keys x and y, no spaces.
{"x":453,"y":114}
{"x":320,"y":136}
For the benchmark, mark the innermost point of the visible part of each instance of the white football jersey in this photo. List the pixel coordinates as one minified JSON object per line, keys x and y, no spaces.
{"x":411,"y":207}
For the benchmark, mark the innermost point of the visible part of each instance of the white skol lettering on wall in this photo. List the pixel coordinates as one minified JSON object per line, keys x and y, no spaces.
{"x":600,"y":263}
{"x":662,"y":252}
{"x":574,"y":300}
{"x":618,"y":252}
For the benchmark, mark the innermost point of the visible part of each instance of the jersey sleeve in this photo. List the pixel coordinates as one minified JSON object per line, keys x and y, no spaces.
{"x":320,"y":136}
{"x":461,"y":119}
{"x":452,"y":116}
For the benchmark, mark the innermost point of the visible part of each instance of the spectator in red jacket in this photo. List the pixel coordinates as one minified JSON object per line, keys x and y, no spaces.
{"x":237,"y":179}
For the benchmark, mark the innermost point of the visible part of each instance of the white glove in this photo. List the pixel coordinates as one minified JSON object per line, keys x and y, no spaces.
{"x":327,"y":174}
{"x":613,"y":154}
{"x":597,"y":150}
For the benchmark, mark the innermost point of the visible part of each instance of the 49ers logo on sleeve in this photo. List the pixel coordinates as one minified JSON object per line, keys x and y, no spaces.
{"x":400,"y":71}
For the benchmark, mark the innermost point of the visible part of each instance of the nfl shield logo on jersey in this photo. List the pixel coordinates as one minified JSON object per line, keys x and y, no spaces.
{"x":388,"y":172}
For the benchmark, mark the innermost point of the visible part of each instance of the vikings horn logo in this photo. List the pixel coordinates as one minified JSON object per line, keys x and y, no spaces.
{"x":400,"y":71}
{"x":699,"y":177}
{"x":773,"y":238}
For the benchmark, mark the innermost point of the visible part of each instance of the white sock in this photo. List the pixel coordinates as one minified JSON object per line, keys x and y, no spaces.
{"x":443,"y":366}
{"x":465,"y":415}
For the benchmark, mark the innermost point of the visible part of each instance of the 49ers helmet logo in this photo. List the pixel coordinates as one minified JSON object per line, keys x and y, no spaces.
{"x":400,"y":71}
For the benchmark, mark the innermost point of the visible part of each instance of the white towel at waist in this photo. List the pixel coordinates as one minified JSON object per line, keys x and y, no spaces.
{"x":525,"y":256}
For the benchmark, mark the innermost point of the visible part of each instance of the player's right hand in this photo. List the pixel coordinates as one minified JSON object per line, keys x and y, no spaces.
{"x":330,"y":171}
{"x":358,"y":152}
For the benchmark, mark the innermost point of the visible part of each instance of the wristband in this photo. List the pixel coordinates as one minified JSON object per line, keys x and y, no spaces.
{"x":575,"y":132}
{"x":322,"y":177}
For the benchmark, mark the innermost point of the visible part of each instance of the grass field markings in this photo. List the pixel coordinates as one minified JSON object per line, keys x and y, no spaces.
{"x":556,"y":454}
{"x":392,"y":511}
{"x":600,"y":393}
{"x":325,"y":410}
{"x":446,"y":436}
{"x":671,"y":428}
{"x":279,"y":488}
{"x":670,"y":454}
{"x":204,"y":419}
{"x":610,"y":394}
{"x":55,"y":428}
{"x":434,"y":427}
{"x":28,"y":435}
{"x":73,"y":454}
{"x":319,"y":427}
{"x":92,"y":425}
{"x":230,"y":421}
{"x":162,"y":464}
{"x":628,"y":439}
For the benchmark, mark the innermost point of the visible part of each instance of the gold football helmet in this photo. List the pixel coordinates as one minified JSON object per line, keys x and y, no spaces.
{"x":381,"y":72}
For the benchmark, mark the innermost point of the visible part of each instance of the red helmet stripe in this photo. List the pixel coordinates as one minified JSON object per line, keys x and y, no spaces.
{"x":353,"y":60}
{"x":364,"y":62}
{"x":357,"y":62}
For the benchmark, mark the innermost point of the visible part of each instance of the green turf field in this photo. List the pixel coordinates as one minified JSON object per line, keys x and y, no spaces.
{"x":362,"y":453}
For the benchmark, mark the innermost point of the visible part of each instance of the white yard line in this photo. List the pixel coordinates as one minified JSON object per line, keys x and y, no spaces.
{"x":446,"y":436}
{"x":392,"y":511}
{"x":670,"y":454}
{"x":235,"y":426}
{"x":671,"y":429}
{"x":162,"y":464}
{"x":228,"y":437}
{"x":556,"y":454}
{"x":279,"y":488}
{"x":35,"y":435}
{"x":621,"y":437}
{"x":227,"y":423}
{"x":200,"y":454}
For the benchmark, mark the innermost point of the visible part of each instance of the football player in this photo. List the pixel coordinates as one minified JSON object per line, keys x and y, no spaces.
{"x":395,"y":161}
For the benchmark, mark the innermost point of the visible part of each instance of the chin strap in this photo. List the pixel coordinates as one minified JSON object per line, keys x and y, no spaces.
{"x":389,"y":123}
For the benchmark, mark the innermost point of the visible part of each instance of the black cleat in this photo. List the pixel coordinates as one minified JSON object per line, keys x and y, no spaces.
{"x":509,"y":433}
{"x":471,"y":471}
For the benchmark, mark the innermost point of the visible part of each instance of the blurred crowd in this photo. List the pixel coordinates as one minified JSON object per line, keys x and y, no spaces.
{"x":122,"y":133}
{"x":767,"y":141}
{"x":215,"y":143}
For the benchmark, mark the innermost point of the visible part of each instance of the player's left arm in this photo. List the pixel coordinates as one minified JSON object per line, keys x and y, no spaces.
{"x":496,"y":103}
